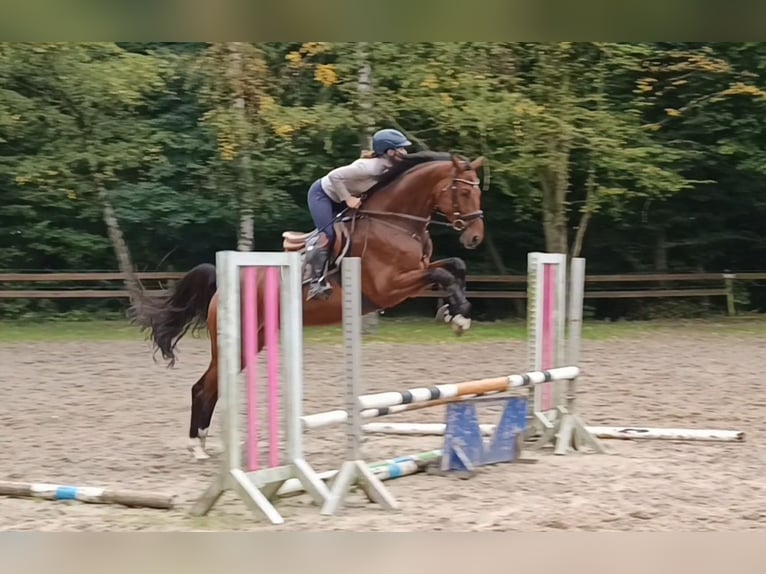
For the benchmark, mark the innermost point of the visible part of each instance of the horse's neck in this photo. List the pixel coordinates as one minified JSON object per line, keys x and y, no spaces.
{"x":412,"y":195}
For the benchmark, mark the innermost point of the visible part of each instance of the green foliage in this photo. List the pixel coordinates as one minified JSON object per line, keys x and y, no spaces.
{"x":641,"y":156}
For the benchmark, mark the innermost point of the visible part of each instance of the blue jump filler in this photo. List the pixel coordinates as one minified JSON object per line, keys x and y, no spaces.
{"x":464,"y":448}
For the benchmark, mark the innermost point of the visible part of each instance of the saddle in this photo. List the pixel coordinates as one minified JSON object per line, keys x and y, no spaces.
{"x":298,"y":240}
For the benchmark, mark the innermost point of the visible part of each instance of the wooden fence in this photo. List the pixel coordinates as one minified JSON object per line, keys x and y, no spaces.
{"x":631,"y":286}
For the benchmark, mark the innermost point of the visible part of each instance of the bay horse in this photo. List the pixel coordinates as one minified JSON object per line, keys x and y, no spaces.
{"x":389,"y":233}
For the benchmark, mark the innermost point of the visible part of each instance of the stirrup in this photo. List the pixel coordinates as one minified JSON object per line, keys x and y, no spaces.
{"x":318,"y":289}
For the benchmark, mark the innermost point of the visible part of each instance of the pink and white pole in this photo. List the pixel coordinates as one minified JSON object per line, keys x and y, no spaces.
{"x":251,"y":339}
{"x":546,"y":320}
{"x":552,"y":416}
{"x":250,"y":343}
{"x":260,"y":294}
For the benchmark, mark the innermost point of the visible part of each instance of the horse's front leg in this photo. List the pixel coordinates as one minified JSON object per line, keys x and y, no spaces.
{"x":457,"y":310}
{"x":412,"y":283}
{"x":454,"y":265}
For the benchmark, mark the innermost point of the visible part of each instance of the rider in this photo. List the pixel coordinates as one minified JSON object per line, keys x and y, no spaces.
{"x":345,"y":184}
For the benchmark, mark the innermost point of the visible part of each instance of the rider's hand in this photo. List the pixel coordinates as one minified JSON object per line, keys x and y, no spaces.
{"x":353,"y":202}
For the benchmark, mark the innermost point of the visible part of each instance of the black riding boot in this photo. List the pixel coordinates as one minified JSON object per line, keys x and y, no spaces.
{"x":317,"y":259}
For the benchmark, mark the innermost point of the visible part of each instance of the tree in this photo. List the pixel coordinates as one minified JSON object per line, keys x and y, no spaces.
{"x":88,"y":137}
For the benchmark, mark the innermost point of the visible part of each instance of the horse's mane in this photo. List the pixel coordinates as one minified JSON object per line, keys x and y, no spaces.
{"x":407,"y":163}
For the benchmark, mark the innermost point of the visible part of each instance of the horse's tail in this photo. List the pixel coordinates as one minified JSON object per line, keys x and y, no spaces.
{"x":169,"y":317}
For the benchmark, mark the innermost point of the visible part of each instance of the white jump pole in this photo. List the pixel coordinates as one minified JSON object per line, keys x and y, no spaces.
{"x":603,"y":432}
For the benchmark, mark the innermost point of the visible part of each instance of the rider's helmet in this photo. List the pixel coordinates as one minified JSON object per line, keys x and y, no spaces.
{"x":384,"y":140}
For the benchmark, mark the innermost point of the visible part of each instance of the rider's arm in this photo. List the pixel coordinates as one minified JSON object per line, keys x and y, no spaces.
{"x":348,"y":180}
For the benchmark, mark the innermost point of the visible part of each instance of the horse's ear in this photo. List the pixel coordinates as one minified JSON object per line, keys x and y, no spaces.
{"x":456,"y":161}
{"x":477,"y":163}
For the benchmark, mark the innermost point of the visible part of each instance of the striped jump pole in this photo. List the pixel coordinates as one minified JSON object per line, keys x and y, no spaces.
{"x":329,"y":418}
{"x":387,"y":403}
{"x":89,"y":494}
{"x":476,"y":387}
{"x":387,"y":469}
{"x":256,"y":290}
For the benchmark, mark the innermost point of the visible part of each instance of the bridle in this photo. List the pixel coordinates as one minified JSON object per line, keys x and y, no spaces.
{"x":461,"y":221}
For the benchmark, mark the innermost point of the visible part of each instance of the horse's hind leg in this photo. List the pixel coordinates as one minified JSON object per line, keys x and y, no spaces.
{"x":204,"y":393}
{"x":204,"y":397}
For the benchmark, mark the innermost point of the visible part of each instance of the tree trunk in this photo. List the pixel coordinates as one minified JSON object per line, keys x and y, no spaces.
{"x":246,"y":240}
{"x":121,"y":251}
{"x":519,"y":305}
{"x":370,"y":322}
{"x":661,"y":251}
{"x":586,"y":213}
{"x":554,"y":180}
{"x":661,"y":254}
{"x":364,"y":90}
{"x":557,"y":142}
{"x":494,"y":254}
{"x":554,"y":214}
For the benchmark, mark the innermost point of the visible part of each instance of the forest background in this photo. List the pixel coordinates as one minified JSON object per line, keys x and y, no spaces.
{"x":645,"y":157}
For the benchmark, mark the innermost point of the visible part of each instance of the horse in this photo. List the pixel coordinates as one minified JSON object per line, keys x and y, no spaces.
{"x":389,"y":232}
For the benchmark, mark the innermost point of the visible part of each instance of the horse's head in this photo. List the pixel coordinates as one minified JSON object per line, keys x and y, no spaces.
{"x":458,"y":199}
{"x":447,"y":184}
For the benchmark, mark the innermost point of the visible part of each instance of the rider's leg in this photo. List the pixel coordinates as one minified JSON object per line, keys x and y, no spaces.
{"x":317,"y":251}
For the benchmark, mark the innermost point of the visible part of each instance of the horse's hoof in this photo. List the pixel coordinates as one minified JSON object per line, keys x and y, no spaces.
{"x":460,"y":324}
{"x":199,"y":454}
{"x":442,"y":314}
{"x":197,"y":450}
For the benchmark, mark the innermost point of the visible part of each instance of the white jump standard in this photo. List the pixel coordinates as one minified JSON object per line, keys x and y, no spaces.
{"x":626,"y":432}
{"x":258,"y":487}
{"x":354,"y":470}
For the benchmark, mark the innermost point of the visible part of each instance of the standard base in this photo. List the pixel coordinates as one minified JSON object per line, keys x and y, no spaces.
{"x":567,"y":432}
{"x":356,"y":472}
{"x":257,"y":489}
